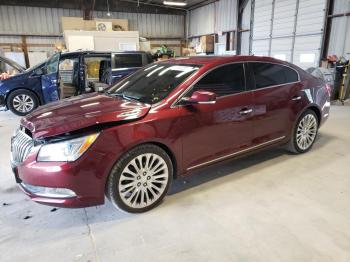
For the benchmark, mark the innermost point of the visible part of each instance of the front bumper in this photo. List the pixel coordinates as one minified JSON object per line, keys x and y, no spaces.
{"x":64,"y":184}
{"x":48,"y":192}
{"x":2,"y":101}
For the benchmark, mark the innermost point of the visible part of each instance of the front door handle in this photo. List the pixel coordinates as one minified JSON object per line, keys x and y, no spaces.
{"x":295,"y":98}
{"x":246,"y":111}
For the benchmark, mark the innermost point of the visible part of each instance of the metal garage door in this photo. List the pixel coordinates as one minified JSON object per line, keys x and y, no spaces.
{"x":309,"y":32}
{"x":262,"y":27}
{"x":290,"y":30}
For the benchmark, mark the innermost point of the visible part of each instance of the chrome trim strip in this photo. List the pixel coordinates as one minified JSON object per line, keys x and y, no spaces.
{"x":21,"y":144}
{"x":268,"y":87}
{"x":296,"y":98}
{"x":236,"y":153}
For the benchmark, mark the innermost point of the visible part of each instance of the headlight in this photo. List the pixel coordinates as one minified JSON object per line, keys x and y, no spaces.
{"x":66,"y":151}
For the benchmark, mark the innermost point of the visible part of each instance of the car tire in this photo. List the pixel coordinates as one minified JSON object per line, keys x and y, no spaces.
{"x":304,"y":133}
{"x":21,"y":102}
{"x":140,"y":179}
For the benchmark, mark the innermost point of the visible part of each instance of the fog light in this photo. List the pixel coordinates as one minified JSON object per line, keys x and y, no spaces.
{"x":49,"y":192}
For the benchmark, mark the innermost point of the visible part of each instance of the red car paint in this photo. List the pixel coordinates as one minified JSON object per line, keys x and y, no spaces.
{"x":194,"y":136}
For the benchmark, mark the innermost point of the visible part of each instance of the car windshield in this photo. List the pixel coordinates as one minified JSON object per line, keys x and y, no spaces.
{"x":35,"y":66}
{"x":153,"y":83}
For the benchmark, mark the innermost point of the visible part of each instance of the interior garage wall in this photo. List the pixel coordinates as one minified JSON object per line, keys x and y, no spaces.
{"x":212,"y":18}
{"x":46,"y":21}
{"x":339,"y":42}
{"x":290,"y":30}
{"x":245,"y":35}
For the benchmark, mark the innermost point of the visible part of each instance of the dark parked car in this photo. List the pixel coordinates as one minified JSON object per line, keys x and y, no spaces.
{"x":160,"y":123}
{"x":67,"y":74}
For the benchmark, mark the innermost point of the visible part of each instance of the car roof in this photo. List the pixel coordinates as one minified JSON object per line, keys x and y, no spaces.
{"x":214,"y":60}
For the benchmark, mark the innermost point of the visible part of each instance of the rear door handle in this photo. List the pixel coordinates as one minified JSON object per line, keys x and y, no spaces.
{"x":245,"y":111}
{"x":295,"y":98}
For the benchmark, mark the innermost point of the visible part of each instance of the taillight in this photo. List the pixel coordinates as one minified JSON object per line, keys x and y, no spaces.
{"x":329,"y":89}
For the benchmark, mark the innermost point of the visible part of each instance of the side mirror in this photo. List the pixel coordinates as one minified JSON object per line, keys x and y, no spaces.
{"x":201,"y":97}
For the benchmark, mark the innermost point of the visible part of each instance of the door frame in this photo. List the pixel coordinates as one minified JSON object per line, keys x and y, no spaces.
{"x":46,"y":96}
{"x":82,"y":68}
{"x":190,"y":87}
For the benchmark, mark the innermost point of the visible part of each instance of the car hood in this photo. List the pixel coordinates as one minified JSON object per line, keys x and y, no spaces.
{"x":81,"y":112}
{"x":12,"y":63}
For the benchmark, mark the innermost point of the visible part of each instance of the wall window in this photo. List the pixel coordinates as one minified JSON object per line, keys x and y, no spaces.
{"x":225,"y":80}
{"x":271,"y":74}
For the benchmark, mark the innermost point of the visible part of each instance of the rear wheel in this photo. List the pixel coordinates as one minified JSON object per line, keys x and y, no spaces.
{"x":140,"y":179}
{"x":21,"y":102}
{"x":304,"y":132}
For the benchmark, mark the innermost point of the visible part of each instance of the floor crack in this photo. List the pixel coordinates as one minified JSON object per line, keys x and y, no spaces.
{"x":91,"y":236}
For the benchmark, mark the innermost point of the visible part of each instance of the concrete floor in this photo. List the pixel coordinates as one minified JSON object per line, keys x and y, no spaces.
{"x":268,"y":207}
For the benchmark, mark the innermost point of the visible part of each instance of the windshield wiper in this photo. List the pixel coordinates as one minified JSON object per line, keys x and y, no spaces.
{"x":126,"y":97}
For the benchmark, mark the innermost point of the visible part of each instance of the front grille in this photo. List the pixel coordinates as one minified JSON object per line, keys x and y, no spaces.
{"x":21,"y":144}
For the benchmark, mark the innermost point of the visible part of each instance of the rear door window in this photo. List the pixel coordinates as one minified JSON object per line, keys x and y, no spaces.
{"x":267,"y":74}
{"x":127,"y":60}
{"x":225,"y":80}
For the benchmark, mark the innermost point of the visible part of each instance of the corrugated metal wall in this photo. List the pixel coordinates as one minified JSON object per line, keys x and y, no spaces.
{"x":339,"y":43}
{"x":245,"y":36}
{"x":33,"y":20}
{"x":46,"y":21}
{"x":289,"y":29}
{"x":212,"y":18}
{"x":202,"y":20}
{"x":151,"y":25}
{"x":226,"y":15}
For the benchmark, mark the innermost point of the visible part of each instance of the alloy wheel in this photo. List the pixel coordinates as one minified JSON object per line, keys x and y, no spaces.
{"x":306,"y":131}
{"x":23,"y":103}
{"x":143,"y":180}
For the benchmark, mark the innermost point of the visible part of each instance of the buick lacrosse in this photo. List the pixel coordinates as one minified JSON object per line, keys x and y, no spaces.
{"x":162,"y":122}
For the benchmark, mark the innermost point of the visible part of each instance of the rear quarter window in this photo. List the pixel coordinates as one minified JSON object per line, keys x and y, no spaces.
{"x":127,"y":60}
{"x":267,"y":74}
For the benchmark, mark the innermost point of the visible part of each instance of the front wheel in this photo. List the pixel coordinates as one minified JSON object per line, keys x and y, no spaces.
{"x":304,"y":133}
{"x":21,"y":102}
{"x":140,"y":179}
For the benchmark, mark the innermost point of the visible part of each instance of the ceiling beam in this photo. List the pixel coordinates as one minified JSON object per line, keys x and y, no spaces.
{"x":128,"y":6}
{"x":88,"y":7}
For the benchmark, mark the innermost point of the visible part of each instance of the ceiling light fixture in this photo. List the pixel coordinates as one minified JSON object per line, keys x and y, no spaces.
{"x":174,"y":3}
{"x":108,"y":13}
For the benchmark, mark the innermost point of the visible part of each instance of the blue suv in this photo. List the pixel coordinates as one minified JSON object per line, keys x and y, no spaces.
{"x":64,"y":75}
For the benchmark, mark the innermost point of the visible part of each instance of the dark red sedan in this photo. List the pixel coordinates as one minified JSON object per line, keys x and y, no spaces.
{"x":162,"y":122}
